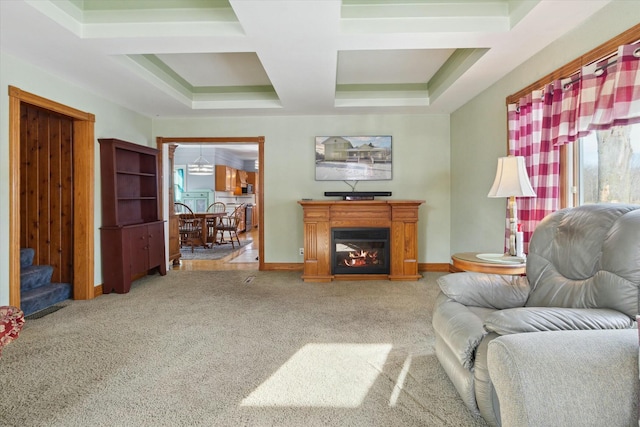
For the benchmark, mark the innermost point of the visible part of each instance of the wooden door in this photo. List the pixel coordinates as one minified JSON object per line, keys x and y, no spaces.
{"x":46,"y":189}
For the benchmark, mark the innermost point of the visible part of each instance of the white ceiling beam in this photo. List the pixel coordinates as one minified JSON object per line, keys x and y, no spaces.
{"x":296,"y":46}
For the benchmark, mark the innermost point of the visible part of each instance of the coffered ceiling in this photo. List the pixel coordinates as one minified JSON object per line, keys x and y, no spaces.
{"x":196,"y":58}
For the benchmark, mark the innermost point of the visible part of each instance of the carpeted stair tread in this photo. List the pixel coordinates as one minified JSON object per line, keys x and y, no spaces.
{"x":26,"y":257}
{"x":39,"y":298}
{"x":35,"y":276}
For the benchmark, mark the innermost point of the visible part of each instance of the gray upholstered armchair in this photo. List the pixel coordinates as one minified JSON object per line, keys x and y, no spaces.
{"x":583,"y":273}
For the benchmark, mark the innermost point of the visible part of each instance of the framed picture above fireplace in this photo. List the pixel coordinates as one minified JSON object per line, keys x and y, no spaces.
{"x":353,"y":158}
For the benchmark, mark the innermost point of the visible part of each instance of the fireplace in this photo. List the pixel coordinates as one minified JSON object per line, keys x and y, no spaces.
{"x":398,"y":219}
{"x":360,"y":251}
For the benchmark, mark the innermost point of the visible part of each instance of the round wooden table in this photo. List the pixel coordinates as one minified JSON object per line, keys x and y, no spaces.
{"x":469,"y":261}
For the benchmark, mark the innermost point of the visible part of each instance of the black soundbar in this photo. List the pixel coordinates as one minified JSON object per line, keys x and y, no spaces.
{"x":357,"y":195}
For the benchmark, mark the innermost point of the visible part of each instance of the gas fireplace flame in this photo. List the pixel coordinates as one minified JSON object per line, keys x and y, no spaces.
{"x":361,"y":258}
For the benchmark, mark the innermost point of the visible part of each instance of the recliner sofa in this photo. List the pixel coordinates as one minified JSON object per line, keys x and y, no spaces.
{"x":583,"y":273}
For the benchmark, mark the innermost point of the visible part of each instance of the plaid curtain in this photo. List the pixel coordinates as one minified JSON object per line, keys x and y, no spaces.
{"x":530,"y":136}
{"x":610,"y":94}
{"x":602,"y":95}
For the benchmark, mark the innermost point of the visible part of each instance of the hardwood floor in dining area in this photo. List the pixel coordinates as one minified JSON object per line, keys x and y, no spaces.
{"x":245,"y":258}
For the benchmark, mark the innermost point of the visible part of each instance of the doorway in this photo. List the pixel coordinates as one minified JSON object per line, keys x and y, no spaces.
{"x":82,"y":205}
{"x":258,"y":235}
{"x":46,"y":189}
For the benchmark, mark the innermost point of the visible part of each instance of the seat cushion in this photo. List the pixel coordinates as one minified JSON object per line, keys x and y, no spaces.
{"x":567,"y":378}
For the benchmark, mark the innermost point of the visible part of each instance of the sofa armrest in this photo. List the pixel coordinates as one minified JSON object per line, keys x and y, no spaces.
{"x":569,"y":378}
{"x":539,"y":319}
{"x":485,"y":290}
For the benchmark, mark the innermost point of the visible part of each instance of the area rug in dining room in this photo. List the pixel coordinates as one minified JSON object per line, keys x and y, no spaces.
{"x":217,"y":252}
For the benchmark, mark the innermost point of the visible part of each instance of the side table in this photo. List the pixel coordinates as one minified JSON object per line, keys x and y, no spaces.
{"x":469,"y":261}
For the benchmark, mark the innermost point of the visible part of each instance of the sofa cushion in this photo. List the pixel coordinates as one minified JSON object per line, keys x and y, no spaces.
{"x":485,"y":290}
{"x":587,"y":257}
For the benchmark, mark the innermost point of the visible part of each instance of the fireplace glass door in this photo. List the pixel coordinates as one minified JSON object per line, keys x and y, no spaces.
{"x":360,"y":251}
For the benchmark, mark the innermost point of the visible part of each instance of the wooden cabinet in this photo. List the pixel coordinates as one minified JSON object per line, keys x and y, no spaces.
{"x":132,"y":232}
{"x":129,"y":251}
{"x":225,"y":178}
{"x":241,"y":178}
{"x":254,"y":212}
{"x":252,"y":178}
{"x":400,"y":216}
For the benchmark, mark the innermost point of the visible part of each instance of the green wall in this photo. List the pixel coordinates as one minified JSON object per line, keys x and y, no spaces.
{"x":420,"y":170}
{"x":449,"y":161}
{"x":479,"y":130}
{"x":420,"y":152}
{"x":111,"y":121}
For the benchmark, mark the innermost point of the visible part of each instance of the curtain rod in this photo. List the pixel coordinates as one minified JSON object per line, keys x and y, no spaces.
{"x":605,"y":50}
{"x":598,"y":71}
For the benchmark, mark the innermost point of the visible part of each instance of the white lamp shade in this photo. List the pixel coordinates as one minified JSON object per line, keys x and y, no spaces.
{"x":511,"y":179}
{"x":201,"y":166}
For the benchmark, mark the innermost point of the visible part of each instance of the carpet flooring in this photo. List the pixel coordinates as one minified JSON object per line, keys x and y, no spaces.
{"x":217,"y":252}
{"x":234,"y":348}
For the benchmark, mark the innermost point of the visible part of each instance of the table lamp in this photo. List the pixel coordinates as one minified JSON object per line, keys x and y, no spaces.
{"x":512,"y":181}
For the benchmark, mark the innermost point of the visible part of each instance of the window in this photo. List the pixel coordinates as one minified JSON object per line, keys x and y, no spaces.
{"x":605,"y":167}
{"x":179,"y":182}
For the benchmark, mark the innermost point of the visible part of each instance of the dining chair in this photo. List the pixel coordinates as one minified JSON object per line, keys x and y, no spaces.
{"x":213,"y":223}
{"x":189,"y":227}
{"x":180,"y":208}
{"x":230,"y":224}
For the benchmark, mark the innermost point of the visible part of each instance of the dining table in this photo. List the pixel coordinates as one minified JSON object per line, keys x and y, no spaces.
{"x":206,"y":239}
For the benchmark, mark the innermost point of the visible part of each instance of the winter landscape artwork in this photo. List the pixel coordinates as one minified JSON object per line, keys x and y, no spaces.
{"x":353,"y":158}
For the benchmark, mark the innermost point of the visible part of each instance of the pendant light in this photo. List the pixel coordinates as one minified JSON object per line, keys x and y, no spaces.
{"x":201,"y":166}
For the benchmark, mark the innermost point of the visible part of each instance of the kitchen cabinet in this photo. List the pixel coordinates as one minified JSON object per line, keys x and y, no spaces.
{"x":252,"y":182}
{"x":225,"y":178}
{"x":241,"y":178}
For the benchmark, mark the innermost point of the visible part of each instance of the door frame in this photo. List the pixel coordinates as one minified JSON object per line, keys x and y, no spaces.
{"x":160,"y":141}
{"x":83,"y":188}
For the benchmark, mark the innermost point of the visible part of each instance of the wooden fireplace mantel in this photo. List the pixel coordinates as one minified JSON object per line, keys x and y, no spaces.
{"x":400,"y":216}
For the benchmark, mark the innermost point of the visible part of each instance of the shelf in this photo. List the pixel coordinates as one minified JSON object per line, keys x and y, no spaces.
{"x":121,"y":172}
{"x":132,"y":233}
{"x":137,"y":198}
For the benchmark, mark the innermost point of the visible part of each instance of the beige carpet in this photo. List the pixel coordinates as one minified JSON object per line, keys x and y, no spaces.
{"x":234,"y":348}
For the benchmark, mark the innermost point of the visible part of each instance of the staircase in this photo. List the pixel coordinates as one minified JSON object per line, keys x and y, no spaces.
{"x":36,"y":290}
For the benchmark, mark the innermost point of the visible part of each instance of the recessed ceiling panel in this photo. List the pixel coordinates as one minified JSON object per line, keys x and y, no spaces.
{"x":390,"y":66}
{"x":217,"y":69}
{"x":285,"y":57}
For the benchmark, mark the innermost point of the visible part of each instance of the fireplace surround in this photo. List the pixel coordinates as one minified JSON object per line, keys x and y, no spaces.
{"x":400,"y":217}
